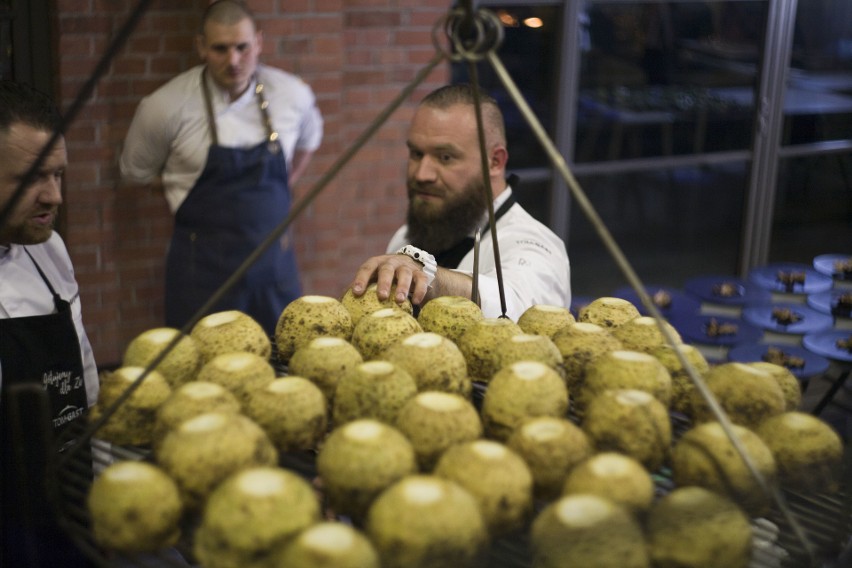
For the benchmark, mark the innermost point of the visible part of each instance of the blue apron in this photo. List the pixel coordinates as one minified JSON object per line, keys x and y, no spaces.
{"x":240,"y":197}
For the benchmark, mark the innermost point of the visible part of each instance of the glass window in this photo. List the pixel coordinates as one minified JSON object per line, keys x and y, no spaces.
{"x":667,"y":78}
{"x":530,"y":53}
{"x":813,"y":201}
{"x":671,"y":225}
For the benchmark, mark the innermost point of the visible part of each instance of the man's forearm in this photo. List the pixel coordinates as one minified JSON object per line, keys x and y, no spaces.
{"x":450,"y":283}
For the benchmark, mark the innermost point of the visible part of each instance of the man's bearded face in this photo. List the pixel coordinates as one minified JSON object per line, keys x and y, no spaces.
{"x":437,"y":225}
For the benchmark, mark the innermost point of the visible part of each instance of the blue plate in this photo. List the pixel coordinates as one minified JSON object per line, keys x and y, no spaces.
{"x":680,"y":303}
{"x":814,"y":364}
{"x":706,"y":288}
{"x":827,"y":303}
{"x":824,"y":264}
{"x":767,"y":278}
{"x":811,"y":321}
{"x":825,"y":344}
{"x":693,"y":329}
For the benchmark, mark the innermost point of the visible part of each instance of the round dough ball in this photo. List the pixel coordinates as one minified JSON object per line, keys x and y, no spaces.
{"x":694,"y":527}
{"x":786,"y":380}
{"x":807,"y":451}
{"x":479,"y":345}
{"x":580,"y":344}
{"x":240,"y":372}
{"x":608,"y":312}
{"x":587,"y":530}
{"x":519,"y":391}
{"x":544,"y":319}
{"x":307,"y":318}
{"x":205,"y":450}
{"x":229,"y":331}
{"x":327,"y":545}
{"x":625,"y":370}
{"x":614,"y":476}
{"x":368,"y":302}
{"x":747,"y":394}
{"x":682,"y":386}
{"x":551,"y":447}
{"x":497,"y":478}
{"x":643,"y":334}
{"x":181,"y":363}
{"x":252,"y":513}
{"x":631,"y":422}
{"x":134,"y":507}
{"x":292,"y":411}
{"x":529,"y":347}
{"x":426,"y":522}
{"x":375,"y":389}
{"x":435,"y":363}
{"x":360,"y":460}
{"x":188,"y":401}
{"x":324,"y":360}
{"x":434,"y":421}
{"x":449,"y":316}
{"x":706,"y":457}
{"x":132,"y":423}
{"x":379,"y":330}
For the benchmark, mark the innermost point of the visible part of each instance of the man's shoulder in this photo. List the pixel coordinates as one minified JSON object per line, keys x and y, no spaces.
{"x":519,"y":221}
{"x":279,"y":81}
{"x":179,"y":88}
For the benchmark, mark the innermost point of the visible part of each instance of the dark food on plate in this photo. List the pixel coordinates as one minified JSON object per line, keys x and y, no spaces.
{"x":726,"y":289}
{"x":845,"y":344}
{"x":662,"y":299}
{"x":843,"y":267}
{"x":779,"y":357}
{"x":843,"y":305}
{"x":785,"y":316}
{"x":716,"y":329}
{"x":790,"y":279}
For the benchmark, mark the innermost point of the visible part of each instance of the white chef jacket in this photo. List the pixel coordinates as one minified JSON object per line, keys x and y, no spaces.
{"x":170,"y":135}
{"x":534,"y":262}
{"x":23,"y":293}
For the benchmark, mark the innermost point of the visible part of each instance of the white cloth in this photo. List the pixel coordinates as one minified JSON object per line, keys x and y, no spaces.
{"x":23,"y":293}
{"x":534,"y":263}
{"x":170,"y":136}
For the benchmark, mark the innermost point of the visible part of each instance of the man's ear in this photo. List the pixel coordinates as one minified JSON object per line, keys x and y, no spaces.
{"x":258,"y":37}
{"x":499,"y":158}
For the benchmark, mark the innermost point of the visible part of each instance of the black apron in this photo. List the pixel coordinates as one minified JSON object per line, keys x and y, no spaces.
{"x":42,"y":370}
{"x":240,"y":197}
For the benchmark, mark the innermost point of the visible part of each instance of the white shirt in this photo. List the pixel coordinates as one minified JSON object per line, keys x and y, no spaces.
{"x":23,"y":293}
{"x":534,"y":263}
{"x":170,"y":135}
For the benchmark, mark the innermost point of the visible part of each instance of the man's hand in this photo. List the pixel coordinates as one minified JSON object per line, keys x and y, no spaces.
{"x":388,"y":269}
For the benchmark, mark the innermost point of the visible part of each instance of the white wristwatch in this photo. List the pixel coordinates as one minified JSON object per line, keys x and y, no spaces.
{"x":430,"y":266}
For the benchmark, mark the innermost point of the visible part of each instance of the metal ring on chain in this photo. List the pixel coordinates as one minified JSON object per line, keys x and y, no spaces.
{"x":471,"y":37}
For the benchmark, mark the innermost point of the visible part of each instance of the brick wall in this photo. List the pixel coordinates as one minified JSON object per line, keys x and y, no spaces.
{"x":356,"y":54}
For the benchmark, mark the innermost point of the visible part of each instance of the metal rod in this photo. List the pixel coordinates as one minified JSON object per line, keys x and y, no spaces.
{"x":615,"y":251}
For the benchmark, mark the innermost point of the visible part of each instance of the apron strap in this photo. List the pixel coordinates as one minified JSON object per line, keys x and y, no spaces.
{"x":262,"y":104}
{"x":57,"y":301}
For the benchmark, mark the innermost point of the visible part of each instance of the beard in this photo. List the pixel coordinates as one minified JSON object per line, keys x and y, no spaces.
{"x":437,"y":229}
{"x":23,"y":233}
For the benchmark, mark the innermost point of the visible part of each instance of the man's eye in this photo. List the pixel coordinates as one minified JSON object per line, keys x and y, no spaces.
{"x":415,"y":154}
{"x":446,"y":158}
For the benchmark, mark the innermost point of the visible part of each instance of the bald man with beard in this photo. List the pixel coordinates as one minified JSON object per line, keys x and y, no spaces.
{"x":432,"y":254}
